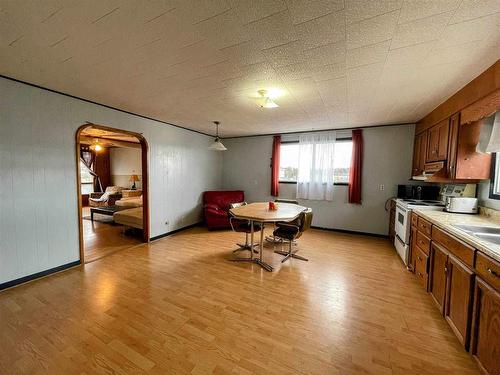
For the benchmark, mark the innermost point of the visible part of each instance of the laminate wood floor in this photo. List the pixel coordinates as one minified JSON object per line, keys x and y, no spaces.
{"x":177,"y":306}
{"x":101,"y":239}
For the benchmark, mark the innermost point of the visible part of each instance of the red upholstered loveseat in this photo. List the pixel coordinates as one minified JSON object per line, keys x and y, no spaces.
{"x":216,"y":207}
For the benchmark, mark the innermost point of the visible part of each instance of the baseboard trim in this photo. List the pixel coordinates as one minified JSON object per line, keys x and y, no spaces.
{"x":166,"y":234}
{"x":351,"y":232}
{"x":25,"y":279}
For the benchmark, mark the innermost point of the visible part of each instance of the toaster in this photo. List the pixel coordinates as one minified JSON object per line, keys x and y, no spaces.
{"x":461,"y":205}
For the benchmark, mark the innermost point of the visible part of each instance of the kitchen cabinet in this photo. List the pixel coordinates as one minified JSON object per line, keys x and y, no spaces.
{"x":413,"y":249}
{"x":437,"y":142}
{"x":458,"y":304}
{"x":449,"y":149}
{"x":485,"y":342}
{"x":419,"y":153}
{"x":438,"y":270}
{"x":464,"y":283}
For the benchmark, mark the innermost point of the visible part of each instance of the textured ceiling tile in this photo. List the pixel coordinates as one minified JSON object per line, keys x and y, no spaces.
{"x":413,"y":10}
{"x":371,"y":31}
{"x":323,"y":30}
{"x":469,"y":31}
{"x":251,"y":11}
{"x":272,"y":31}
{"x":285,"y":54}
{"x":303,"y":10}
{"x":328,"y":72}
{"x":420,"y":31}
{"x":368,"y":55}
{"x":470,"y":9}
{"x":411,"y":55}
{"x":326,"y":55}
{"x":358,"y":10}
{"x":188,"y":62}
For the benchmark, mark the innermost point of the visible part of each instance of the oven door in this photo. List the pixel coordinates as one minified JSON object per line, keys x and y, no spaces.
{"x":402,"y":224}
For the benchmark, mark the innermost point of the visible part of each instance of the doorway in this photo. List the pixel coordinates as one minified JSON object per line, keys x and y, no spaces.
{"x":112,"y":190}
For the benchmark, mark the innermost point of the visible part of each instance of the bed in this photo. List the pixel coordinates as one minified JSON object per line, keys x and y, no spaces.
{"x":131,"y":217}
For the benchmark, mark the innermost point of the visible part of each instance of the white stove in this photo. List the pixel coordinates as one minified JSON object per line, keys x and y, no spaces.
{"x":402,"y":223}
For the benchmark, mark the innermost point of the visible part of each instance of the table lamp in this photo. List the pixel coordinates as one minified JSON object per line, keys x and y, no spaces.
{"x":134,"y":178}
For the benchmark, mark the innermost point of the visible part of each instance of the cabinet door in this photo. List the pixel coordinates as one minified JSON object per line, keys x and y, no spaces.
{"x":413,"y":249}
{"x":419,"y":153}
{"x":452,"y":145}
{"x":485,"y":345}
{"x":470,"y":164}
{"x":438,"y":269}
{"x":459,"y":299}
{"x":437,"y":145}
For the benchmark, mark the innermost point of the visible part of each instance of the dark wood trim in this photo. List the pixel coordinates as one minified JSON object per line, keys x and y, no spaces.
{"x":493,"y":175}
{"x":478,"y":89}
{"x":176,"y":231}
{"x":320,"y":131}
{"x":26,"y":279}
{"x":295,"y":183}
{"x":145,"y":181}
{"x":351,"y":232}
{"x":103,"y":105}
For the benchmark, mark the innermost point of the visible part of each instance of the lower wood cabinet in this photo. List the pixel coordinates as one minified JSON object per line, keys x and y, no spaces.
{"x":485,"y":345}
{"x":438,"y":270}
{"x":459,"y":292}
{"x":464,"y":284}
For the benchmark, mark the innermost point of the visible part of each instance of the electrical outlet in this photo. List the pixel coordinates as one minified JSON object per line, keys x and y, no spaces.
{"x":382,"y":187}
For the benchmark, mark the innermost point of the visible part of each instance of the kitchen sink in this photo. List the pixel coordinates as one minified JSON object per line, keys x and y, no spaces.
{"x":490,"y":234}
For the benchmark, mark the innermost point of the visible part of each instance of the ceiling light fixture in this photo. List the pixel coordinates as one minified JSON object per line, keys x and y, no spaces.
{"x":217,"y":144}
{"x":267,"y":102}
{"x":96,"y":146}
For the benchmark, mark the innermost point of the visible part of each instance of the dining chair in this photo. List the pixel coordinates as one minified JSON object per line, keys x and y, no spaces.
{"x":243,"y":226}
{"x":292,"y":231}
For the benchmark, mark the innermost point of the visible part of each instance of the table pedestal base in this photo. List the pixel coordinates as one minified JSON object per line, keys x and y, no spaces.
{"x":261,"y":263}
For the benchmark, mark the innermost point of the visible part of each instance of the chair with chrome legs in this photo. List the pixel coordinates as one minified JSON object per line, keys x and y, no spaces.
{"x":291,"y":231}
{"x":243,"y":226}
{"x":273,"y":239}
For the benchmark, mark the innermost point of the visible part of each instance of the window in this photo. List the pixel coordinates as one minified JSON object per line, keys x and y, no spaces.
{"x":86,"y":179}
{"x":289,"y":161}
{"x":495,"y":177}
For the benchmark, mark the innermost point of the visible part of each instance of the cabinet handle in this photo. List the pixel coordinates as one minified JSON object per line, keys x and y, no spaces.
{"x":418,"y":257}
{"x":492,"y":272}
{"x":445,"y":269}
{"x":419,"y":274}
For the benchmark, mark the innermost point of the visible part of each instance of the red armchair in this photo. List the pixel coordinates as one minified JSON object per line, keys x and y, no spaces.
{"x":216,"y":207}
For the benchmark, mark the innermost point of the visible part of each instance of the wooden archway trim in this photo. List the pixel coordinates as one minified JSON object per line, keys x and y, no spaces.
{"x":145,"y":180}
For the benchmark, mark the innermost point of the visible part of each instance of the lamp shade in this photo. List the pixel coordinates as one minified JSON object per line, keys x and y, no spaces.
{"x":217,"y":146}
{"x":134,"y":178}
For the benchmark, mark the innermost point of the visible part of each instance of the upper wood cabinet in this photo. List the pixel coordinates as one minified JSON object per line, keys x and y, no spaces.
{"x":437,"y":142}
{"x":449,"y":150}
{"x":419,"y":153}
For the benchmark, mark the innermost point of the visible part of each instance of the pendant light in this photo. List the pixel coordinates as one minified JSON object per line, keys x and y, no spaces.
{"x":217,"y":144}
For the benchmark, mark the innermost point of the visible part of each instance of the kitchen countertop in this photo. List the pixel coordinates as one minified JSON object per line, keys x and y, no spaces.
{"x":444,"y":220}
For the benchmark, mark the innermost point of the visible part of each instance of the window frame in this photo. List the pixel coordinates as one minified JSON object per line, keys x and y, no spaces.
{"x":344,"y":139}
{"x":494,"y":175}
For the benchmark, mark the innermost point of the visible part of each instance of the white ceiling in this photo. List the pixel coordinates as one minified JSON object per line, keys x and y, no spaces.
{"x":339,"y":63}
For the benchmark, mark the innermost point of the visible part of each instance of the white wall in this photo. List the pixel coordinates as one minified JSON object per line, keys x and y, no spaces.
{"x":123,"y":163}
{"x":483,"y":194}
{"x":38,"y":195}
{"x":387,"y":160}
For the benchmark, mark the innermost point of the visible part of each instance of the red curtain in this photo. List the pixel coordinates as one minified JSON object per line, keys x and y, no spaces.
{"x":275,"y":166}
{"x":356,"y":167}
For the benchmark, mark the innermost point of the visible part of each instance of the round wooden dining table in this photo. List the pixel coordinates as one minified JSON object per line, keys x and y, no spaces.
{"x":260,"y":213}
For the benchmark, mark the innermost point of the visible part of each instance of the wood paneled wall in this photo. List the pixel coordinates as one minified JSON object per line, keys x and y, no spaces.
{"x":482,"y":86}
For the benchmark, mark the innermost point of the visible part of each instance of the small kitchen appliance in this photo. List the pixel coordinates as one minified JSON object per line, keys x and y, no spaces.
{"x":462,"y":205}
